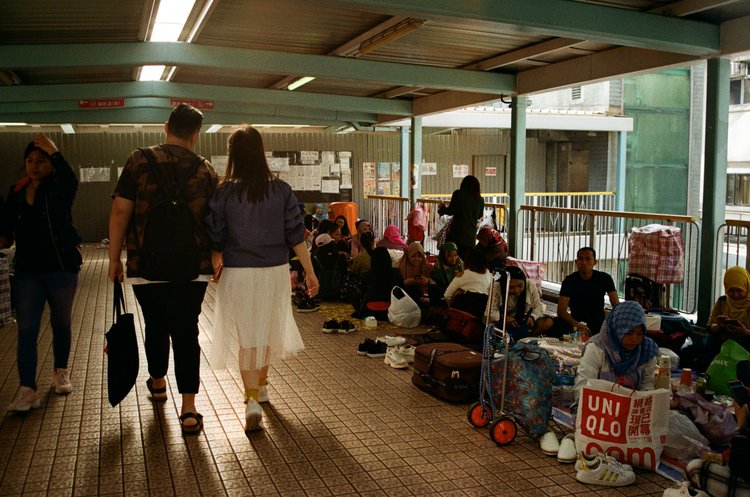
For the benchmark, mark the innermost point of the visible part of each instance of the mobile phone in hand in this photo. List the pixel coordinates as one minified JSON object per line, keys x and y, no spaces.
{"x":738,"y":392}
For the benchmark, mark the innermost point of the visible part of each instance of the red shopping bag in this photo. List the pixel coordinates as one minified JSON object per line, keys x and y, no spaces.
{"x":627,"y":424}
{"x":657,"y":252}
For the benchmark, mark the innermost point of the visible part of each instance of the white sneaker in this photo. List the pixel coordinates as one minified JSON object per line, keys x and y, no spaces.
{"x":25,"y":400}
{"x":61,"y":381}
{"x":590,"y":460}
{"x":391,"y":341}
{"x":567,"y":453}
{"x":253,"y":416}
{"x":394,"y":359}
{"x":684,"y":490}
{"x":549,"y":444}
{"x":603,"y":472}
{"x":407,"y":352}
{"x":262,"y":394}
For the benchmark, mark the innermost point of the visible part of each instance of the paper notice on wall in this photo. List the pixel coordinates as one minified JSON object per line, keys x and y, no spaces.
{"x":345,"y":163}
{"x":309,"y":156}
{"x":278,"y":163}
{"x":345,"y":154}
{"x":220,"y":164}
{"x":119,"y":171}
{"x":95,"y":174}
{"x":369,"y":187}
{"x":429,"y":169}
{"x":327,"y":158}
{"x":368,"y":170}
{"x":346,"y":180}
{"x":324,"y":170}
{"x":329,"y":186}
{"x":490,"y":171}
{"x":460,"y":170}
{"x":384,"y":187}
{"x":284,"y":176}
{"x":335,"y":169}
{"x":384,"y":171}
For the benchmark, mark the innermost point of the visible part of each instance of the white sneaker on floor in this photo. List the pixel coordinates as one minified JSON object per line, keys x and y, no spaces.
{"x":407,"y":352}
{"x":262,"y":394}
{"x":391,"y":341}
{"x":684,"y":490}
{"x":603,"y":472}
{"x":549,"y":443}
{"x":567,"y":453}
{"x":26,"y":399}
{"x":590,"y":460}
{"x":61,"y":381}
{"x":394,"y":359}
{"x":253,"y":416}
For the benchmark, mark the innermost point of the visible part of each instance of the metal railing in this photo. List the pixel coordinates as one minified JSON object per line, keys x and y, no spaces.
{"x":553,"y":235}
{"x":732,"y":240}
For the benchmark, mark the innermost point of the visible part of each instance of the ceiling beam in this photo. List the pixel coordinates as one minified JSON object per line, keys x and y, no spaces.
{"x":564,"y":18}
{"x":16,"y":57}
{"x":689,"y":7}
{"x":89,"y":91}
{"x":150,"y":115}
{"x":240,"y":110}
{"x":529,"y":52}
{"x":735,"y":37}
{"x":617,"y":62}
{"x":449,"y":100}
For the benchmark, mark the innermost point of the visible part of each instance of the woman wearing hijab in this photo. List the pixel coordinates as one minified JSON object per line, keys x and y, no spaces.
{"x":525,"y":307}
{"x":392,"y":239}
{"x":416,"y":273}
{"x":620,"y":352}
{"x":448,"y":266}
{"x":730,"y":317}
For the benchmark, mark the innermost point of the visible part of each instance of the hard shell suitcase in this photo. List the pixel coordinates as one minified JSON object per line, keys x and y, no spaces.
{"x":447,"y":371}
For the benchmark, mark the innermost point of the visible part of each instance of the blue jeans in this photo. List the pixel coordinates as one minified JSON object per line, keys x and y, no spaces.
{"x":32,"y":291}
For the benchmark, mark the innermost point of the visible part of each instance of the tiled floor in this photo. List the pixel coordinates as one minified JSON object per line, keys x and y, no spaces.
{"x":338,"y":424}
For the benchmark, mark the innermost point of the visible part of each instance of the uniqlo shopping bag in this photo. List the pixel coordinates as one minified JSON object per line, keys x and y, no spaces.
{"x":629,"y":425}
{"x":657,"y":252}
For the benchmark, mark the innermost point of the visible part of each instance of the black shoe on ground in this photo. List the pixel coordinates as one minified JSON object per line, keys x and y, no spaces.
{"x":331,"y":326}
{"x":346,"y":327}
{"x":365,"y":346}
{"x":307,"y":305}
{"x":377,"y":349}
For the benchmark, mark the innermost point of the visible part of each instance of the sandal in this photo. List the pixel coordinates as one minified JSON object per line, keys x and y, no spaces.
{"x":191,"y":429}
{"x":157,"y":394}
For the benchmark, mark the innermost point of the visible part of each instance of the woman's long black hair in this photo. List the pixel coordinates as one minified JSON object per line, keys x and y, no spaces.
{"x":516,"y":273}
{"x":247,"y":165}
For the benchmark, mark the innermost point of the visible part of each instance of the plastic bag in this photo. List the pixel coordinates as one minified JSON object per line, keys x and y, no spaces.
{"x":403,"y":310}
{"x":713,"y":420}
{"x":723,"y":367}
{"x":684,"y":440}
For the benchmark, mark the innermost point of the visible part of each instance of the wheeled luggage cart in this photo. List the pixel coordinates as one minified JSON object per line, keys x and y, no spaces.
{"x":502,"y":426}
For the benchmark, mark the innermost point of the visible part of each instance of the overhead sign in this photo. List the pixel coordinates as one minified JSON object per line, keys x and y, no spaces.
{"x":101,"y":103}
{"x":198,"y":104}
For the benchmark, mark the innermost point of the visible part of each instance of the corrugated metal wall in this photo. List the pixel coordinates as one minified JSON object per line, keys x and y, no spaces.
{"x":91,"y":209}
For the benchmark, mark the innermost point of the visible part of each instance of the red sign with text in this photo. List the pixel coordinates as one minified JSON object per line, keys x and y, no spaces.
{"x":198,"y":104}
{"x":101,"y":103}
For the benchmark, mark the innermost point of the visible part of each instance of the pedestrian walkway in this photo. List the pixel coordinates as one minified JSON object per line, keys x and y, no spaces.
{"x":337,"y":424}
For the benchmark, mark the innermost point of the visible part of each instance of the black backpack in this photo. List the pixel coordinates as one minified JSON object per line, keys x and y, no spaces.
{"x":645,"y":291}
{"x":170,"y":250}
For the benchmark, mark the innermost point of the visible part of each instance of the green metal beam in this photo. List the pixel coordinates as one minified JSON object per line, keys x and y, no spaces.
{"x":220,"y":108}
{"x":89,"y":91}
{"x":17,"y":57}
{"x":155,"y":115}
{"x":564,"y":18}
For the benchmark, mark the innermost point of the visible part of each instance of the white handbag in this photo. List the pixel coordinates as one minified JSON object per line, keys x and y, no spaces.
{"x":403,"y":310}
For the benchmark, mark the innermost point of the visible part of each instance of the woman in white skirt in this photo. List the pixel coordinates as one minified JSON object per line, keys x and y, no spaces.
{"x":253,"y":221}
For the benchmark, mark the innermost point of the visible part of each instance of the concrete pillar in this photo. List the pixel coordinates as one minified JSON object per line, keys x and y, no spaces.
{"x":517,"y":186}
{"x":415,"y":157}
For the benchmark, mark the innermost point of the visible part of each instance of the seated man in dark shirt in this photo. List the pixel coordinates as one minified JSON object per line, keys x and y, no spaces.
{"x":584,"y":292}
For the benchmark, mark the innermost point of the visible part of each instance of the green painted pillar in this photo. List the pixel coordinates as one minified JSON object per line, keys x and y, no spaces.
{"x":405,"y":159}
{"x":415,"y":159}
{"x":517,"y":187}
{"x":621,"y":170}
{"x":714,"y":179}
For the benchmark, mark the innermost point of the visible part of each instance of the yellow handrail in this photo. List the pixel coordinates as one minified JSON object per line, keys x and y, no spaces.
{"x":624,"y":214}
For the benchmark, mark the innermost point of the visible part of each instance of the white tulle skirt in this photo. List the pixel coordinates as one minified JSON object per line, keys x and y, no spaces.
{"x":254,"y":313}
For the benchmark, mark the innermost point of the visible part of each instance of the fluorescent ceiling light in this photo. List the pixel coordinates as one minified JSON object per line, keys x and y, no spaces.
{"x":214,"y":128}
{"x":68,"y":129}
{"x":12,"y":124}
{"x":170,"y":19}
{"x":151,"y":73}
{"x":301,"y":81}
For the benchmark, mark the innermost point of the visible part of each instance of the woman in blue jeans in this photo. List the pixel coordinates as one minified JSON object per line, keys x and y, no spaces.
{"x":38,"y":217}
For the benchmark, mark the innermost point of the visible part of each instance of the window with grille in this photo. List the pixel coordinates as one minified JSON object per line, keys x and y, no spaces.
{"x":576,"y":93}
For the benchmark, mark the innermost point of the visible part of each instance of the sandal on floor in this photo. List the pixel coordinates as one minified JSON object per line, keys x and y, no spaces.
{"x":191,"y":429}
{"x":157,"y":394}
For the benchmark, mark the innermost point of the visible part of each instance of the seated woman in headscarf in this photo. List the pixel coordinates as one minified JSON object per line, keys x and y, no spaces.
{"x":493,"y":248}
{"x":377,"y":287}
{"x":447,"y":267}
{"x":730,"y":317}
{"x":392,"y":239}
{"x":525,"y":308}
{"x":621,"y":352}
{"x":416,"y":274}
{"x":362,"y":226}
